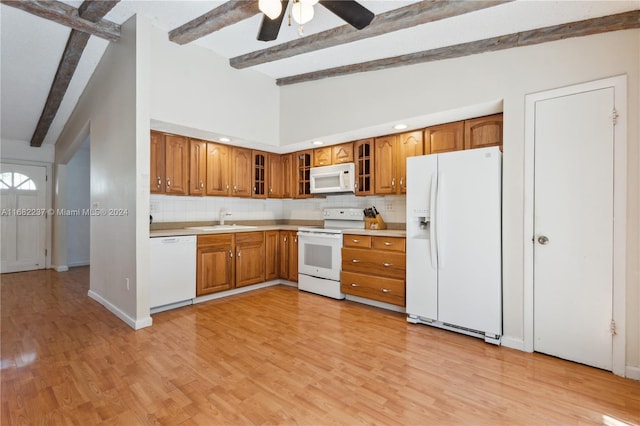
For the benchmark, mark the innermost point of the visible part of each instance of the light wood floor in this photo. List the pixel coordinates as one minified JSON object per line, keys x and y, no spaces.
{"x":274,"y":356}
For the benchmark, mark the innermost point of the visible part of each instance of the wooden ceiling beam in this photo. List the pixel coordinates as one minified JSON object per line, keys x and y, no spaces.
{"x":397,"y":19}
{"x":623,"y":21}
{"x":69,"y":16}
{"x":222,"y":16}
{"x":90,"y":10}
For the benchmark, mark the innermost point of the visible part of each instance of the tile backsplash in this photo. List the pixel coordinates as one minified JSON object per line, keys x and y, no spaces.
{"x":167,"y":208}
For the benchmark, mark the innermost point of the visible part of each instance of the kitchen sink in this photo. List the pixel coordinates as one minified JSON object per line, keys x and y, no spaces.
{"x":221,"y":227}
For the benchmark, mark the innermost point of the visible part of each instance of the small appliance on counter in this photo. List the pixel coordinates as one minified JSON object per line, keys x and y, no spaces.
{"x":320,"y":252}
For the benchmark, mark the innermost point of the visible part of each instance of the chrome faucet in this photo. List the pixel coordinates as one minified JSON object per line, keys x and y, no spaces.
{"x":223,"y":215}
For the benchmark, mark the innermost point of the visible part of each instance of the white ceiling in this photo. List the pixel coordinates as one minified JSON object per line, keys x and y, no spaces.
{"x":31,"y":47}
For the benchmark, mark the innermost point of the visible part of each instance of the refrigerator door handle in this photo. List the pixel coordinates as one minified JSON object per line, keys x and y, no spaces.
{"x":440,"y":190}
{"x":432,"y":227}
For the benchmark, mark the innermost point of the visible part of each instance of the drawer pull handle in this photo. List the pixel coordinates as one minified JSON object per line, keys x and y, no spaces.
{"x":387,"y":243}
{"x":355,"y":261}
{"x":354,"y":285}
{"x":386,"y":265}
{"x":385,"y":290}
{"x":356,"y":241}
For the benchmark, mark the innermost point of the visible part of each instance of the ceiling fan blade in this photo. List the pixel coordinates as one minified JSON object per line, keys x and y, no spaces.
{"x":271,"y":27}
{"x":350,"y":11}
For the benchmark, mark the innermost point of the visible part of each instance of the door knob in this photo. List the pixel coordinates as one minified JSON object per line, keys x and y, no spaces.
{"x":543,"y":240}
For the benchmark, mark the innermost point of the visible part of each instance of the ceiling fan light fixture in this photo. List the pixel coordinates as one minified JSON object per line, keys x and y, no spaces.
{"x":302,"y":12}
{"x":271,"y":8}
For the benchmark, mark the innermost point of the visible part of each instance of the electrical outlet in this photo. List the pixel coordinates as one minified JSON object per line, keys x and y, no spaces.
{"x":388,"y":207}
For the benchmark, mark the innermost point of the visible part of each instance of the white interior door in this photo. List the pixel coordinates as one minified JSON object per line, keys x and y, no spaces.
{"x":23,"y":222}
{"x":573,"y":227}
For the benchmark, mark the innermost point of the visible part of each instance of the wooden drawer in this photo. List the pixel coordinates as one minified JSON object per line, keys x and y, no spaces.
{"x":374,"y":262}
{"x":386,"y":290}
{"x":249,"y":237}
{"x":214,"y":240}
{"x":361,"y":241}
{"x":389,"y":243}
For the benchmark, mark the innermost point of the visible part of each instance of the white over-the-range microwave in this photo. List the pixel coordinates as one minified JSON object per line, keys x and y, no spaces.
{"x":333,"y":179}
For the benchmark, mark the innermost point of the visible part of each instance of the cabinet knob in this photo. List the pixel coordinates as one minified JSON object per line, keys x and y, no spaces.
{"x":285,"y":239}
{"x":387,"y":243}
{"x":355,"y":285}
{"x":386,"y":265}
{"x":355,"y":261}
{"x":401,"y":180}
{"x":295,"y":240}
{"x":168,"y":182}
{"x":393,"y":183}
{"x":355,"y":241}
{"x":230,"y":254}
{"x":159,"y":182}
{"x":238,"y":253}
{"x":385,"y":290}
{"x":201,"y":184}
{"x":227,"y":187}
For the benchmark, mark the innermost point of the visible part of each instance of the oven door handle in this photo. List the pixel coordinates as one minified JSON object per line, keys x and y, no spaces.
{"x":319,"y":235}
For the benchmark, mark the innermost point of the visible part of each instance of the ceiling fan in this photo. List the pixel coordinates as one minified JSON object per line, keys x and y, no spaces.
{"x":349,"y":11}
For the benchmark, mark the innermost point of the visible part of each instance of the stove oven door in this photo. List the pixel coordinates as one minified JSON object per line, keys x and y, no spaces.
{"x":319,"y":254}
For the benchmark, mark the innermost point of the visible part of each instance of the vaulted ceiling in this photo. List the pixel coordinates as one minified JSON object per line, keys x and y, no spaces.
{"x":48,"y":55}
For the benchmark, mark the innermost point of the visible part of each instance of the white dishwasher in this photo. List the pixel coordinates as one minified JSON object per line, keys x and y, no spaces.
{"x":173,"y":272}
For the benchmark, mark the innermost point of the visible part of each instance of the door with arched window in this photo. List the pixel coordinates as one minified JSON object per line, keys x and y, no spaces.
{"x":23,"y":221}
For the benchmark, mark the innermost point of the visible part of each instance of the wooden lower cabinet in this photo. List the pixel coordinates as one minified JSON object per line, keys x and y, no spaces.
{"x":227,"y":261}
{"x":215,"y":265}
{"x":272,"y":255}
{"x":250,"y":258}
{"x":288,"y":255}
{"x":374,"y":267}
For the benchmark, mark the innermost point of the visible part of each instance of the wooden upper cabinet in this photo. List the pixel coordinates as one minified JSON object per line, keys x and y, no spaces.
{"x":444,"y":138}
{"x":241,"y":176}
{"x":218,"y":169}
{"x":322,"y":156}
{"x":483,"y":131}
{"x":342,"y":153}
{"x":385,"y":164}
{"x":336,"y":154}
{"x":197,"y":167}
{"x":260,"y":174}
{"x":302,"y":167}
{"x":363,"y":158}
{"x":275,"y":173}
{"x":176,"y":165}
{"x":156,"y":174}
{"x":410,"y":144}
{"x":287,"y":175}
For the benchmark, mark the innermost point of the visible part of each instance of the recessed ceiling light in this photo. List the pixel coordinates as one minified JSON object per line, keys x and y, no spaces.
{"x":317,"y":143}
{"x":225,"y":139}
{"x":400,"y":126}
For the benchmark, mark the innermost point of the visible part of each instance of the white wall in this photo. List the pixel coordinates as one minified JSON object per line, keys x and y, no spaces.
{"x":109,"y":105}
{"x":193,"y":88}
{"x":78,"y":189}
{"x":363,"y":100}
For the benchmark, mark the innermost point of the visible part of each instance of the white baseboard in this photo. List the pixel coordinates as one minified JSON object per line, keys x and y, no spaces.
{"x":235,"y":291}
{"x":60,"y":268}
{"x":79,"y":263}
{"x":632,"y":372}
{"x":136,"y":324}
{"x":513,"y":343}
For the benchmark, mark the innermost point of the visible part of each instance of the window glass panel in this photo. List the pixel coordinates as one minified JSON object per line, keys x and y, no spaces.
{"x":16,"y":180}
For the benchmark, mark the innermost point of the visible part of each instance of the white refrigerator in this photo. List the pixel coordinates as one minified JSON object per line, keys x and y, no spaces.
{"x":454,"y":257}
